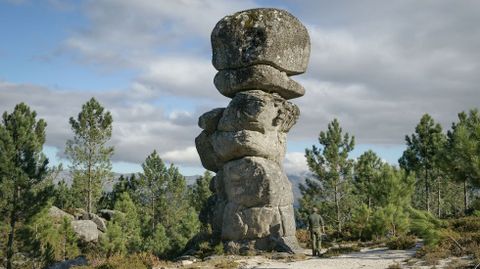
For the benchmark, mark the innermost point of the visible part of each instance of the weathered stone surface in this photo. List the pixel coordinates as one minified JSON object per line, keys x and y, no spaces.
{"x":235,"y":145}
{"x":217,"y":217}
{"x":288,"y":244}
{"x":241,"y":223}
{"x":209,"y":158}
{"x":209,"y":120}
{"x":258,"y":111}
{"x":261,"y":36}
{"x":262,"y":77}
{"x":256,"y":51}
{"x":86,"y":230}
{"x":57,"y":213}
{"x":255,"y":181}
{"x":100,"y":222}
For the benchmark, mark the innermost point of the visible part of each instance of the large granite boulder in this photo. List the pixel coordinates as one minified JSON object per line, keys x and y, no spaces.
{"x":209,"y":158}
{"x":261,"y":36}
{"x":241,"y":223}
{"x":233,"y":145}
{"x":209,"y":120}
{"x":255,"y":181}
{"x":231,"y":81}
{"x":259,"y":111}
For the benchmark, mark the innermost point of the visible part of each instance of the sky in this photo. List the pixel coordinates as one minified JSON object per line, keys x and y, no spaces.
{"x":376,"y":66}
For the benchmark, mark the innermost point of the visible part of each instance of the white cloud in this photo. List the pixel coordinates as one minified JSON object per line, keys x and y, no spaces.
{"x":295,"y":163}
{"x":138,"y":126}
{"x":187,"y":156}
{"x":377,"y":66}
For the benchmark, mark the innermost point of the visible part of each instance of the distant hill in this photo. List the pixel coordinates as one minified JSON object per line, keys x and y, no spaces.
{"x":296,"y":180}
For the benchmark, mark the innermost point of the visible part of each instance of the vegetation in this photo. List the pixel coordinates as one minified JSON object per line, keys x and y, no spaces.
{"x":89,"y":154}
{"x":330,"y":189}
{"x":432,"y":194}
{"x":23,"y":169}
{"x":437,"y":176}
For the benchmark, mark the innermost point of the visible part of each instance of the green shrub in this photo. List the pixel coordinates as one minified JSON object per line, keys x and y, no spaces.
{"x":332,"y":252}
{"x":402,"y":242}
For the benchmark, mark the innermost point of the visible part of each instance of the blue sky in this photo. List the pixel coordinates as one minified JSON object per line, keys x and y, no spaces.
{"x":377,"y":66}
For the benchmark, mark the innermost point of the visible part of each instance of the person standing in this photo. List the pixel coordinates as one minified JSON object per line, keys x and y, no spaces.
{"x":316,"y":227}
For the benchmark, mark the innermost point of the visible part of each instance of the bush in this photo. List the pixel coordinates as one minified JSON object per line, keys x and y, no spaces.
{"x":402,"y":242}
{"x":137,"y":261}
{"x":303,"y":237}
{"x":467,"y":224}
{"x":332,"y":252}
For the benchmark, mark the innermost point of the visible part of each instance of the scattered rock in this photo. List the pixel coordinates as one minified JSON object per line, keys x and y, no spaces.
{"x":100,"y":222}
{"x":86,"y":230}
{"x":57,"y":213}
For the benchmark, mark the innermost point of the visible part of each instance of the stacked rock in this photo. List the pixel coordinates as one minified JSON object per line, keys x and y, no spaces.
{"x":255,"y":51}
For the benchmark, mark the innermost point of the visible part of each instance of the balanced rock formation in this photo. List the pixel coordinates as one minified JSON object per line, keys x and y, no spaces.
{"x":255,"y":51}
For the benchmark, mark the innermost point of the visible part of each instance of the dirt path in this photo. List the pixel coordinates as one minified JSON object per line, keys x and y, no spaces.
{"x":376,"y":258}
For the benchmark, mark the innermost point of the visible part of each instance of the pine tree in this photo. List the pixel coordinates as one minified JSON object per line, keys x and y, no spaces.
{"x":366,"y":177}
{"x":153,"y":186}
{"x":462,"y":155}
{"x":201,"y":199}
{"x":23,"y":168}
{"x":129,"y":222}
{"x":165,"y":203}
{"x":123,"y":184}
{"x":68,"y":245}
{"x":89,"y":153}
{"x":391,"y":198}
{"x":63,"y":197}
{"x":422,"y":155}
{"x":113,"y":242}
{"x":201,"y":191}
{"x":332,"y":170}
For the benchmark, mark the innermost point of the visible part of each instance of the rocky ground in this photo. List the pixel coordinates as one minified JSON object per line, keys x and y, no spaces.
{"x":371,"y":258}
{"x":368,"y":258}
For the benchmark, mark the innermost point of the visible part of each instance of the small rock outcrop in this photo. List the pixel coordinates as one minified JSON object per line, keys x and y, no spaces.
{"x":255,"y":51}
{"x":57,"y":213}
{"x":86,"y":230}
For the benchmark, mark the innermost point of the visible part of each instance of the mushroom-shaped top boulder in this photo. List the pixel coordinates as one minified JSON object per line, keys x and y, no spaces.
{"x":261,"y":36}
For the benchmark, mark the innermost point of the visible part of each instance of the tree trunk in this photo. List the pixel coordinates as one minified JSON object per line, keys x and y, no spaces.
{"x":11,"y":235}
{"x":439,"y":212}
{"x":427,"y":192}
{"x":465,"y":196}
{"x":337,"y":206}
{"x":89,"y":197}
{"x":89,"y":186}
{"x":153,"y":214}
